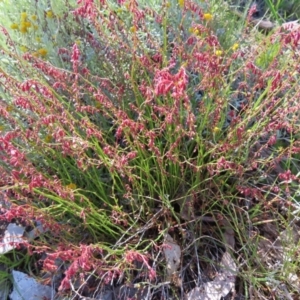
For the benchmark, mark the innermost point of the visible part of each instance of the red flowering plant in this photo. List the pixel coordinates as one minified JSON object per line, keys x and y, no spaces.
{"x":152,"y":123}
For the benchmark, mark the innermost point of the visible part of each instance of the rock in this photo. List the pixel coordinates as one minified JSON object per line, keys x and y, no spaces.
{"x":26,"y":287}
{"x":12,"y":236}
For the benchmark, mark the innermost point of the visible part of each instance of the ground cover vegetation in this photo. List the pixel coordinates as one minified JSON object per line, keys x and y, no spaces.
{"x":124,"y":124}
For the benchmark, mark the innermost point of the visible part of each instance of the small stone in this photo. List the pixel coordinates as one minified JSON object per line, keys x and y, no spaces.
{"x":26,"y":287}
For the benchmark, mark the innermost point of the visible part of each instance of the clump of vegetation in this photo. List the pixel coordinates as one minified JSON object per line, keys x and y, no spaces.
{"x":144,"y":119}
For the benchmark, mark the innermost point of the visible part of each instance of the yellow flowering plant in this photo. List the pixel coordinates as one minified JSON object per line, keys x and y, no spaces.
{"x":42,"y":52}
{"x":219,"y":52}
{"x":35,"y":27}
{"x":181,"y":3}
{"x":235,"y":46}
{"x":207,"y":17}
{"x":49,"y":14}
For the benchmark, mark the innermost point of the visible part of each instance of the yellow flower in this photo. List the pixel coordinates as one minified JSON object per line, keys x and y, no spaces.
{"x":34,"y":17}
{"x":78,"y":42}
{"x":27,"y":24}
{"x":38,"y":39}
{"x":14,"y":26}
{"x":23,"y":16}
{"x":71,"y":186}
{"x":23,"y":48}
{"x":48,"y":138}
{"x":42,"y":52}
{"x":219,"y":52}
{"x":49,"y":14}
{"x":133,"y":29}
{"x":216,"y":130}
{"x":235,"y":46}
{"x":9,"y":108}
{"x":23,"y":28}
{"x":207,"y":17}
{"x":181,"y":3}
{"x":196,"y":32}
